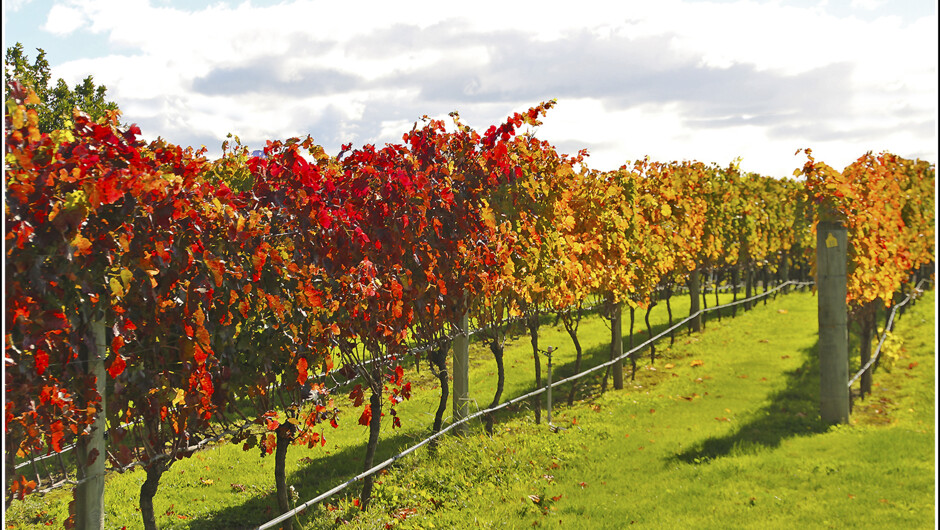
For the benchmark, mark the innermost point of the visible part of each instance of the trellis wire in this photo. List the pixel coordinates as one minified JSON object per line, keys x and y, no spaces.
{"x":64,"y":450}
{"x":375,"y":469}
{"x":33,"y":461}
{"x":55,"y":484}
{"x":874,"y":357}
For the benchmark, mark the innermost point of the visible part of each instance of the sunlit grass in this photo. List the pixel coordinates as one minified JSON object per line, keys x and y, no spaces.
{"x":683,"y":445}
{"x":705,"y":448}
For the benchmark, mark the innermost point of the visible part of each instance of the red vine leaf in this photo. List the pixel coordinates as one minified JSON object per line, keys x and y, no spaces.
{"x":117,"y":367}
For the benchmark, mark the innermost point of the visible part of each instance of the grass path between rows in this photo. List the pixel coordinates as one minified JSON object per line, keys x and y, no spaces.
{"x":733,"y":442}
{"x":722,"y":431}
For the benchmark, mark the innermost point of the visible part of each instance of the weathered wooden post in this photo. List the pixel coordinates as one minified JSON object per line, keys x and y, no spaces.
{"x":548,"y":353}
{"x":89,"y":494}
{"x":462,"y":373}
{"x":616,"y":343}
{"x":831,"y":256}
{"x":695,"y":292}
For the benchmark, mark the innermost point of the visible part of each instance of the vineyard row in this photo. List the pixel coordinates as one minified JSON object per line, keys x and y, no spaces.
{"x":146,"y":283}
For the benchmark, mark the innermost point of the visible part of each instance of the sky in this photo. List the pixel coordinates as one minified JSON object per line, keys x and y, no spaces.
{"x":670,"y":79}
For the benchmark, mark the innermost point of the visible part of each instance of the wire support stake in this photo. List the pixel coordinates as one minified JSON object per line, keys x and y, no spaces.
{"x":375,"y":469}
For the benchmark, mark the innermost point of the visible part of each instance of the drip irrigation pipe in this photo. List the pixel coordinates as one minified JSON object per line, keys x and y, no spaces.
{"x":375,"y":469}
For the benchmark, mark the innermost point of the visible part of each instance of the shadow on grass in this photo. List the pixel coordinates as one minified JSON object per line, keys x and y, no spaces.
{"x":590,"y":386}
{"x":325,"y":471}
{"x":793,"y":411}
{"x":322,"y":472}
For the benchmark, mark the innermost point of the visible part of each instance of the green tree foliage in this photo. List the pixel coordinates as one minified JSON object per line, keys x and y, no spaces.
{"x":56,"y":101}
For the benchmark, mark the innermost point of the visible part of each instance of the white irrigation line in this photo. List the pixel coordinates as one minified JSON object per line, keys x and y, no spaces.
{"x":287,"y":515}
{"x":471,"y":333}
{"x":36,"y":460}
{"x":675,"y":326}
{"x":386,"y":463}
{"x":884,"y":335}
{"x":64,"y":450}
{"x":506,"y":320}
{"x":121,"y":469}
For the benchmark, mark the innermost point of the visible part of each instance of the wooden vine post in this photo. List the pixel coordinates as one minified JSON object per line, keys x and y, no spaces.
{"x":616,"y":343}
{"x":462,"y":373}
{"x":831,"y":256}
{"x":89,"y":494}
{"x":695,"y":290}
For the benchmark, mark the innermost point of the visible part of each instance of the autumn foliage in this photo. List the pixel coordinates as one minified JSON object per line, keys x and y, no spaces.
{"x":225,"y":286}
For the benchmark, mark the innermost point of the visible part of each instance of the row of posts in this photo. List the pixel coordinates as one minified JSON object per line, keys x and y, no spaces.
{"x":831,"y":255}
{"x":831,"y":260}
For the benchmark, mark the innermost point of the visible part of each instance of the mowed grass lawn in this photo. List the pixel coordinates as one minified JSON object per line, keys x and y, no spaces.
{"x":722,"y":431}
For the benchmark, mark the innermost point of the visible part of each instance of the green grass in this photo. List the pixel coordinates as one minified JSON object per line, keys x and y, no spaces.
{"x":687,"y":446}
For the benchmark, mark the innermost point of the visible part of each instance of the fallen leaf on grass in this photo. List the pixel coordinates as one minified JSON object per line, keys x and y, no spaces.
{"x":782,"y":311}
{"x":557,"y":498}
{"x":697,"y":362}
{"x":582,"y":484}
{"x":535,"y":499}
{"x":743,"y":376}
{"x":722,"y":419}
{"x":765,"y":341}
{"x":912,"y":365}
{"x":669,"y":365}
{"x":784,"y":356}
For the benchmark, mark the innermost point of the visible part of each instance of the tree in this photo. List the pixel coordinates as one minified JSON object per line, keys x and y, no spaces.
{"x":55,"y":102}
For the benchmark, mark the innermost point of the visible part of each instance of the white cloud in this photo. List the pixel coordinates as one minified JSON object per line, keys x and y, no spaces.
{"x":15,"y":5}
{"x":671,"y":79}
{"x":63,"y":20}
{"x":869,"y":5}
